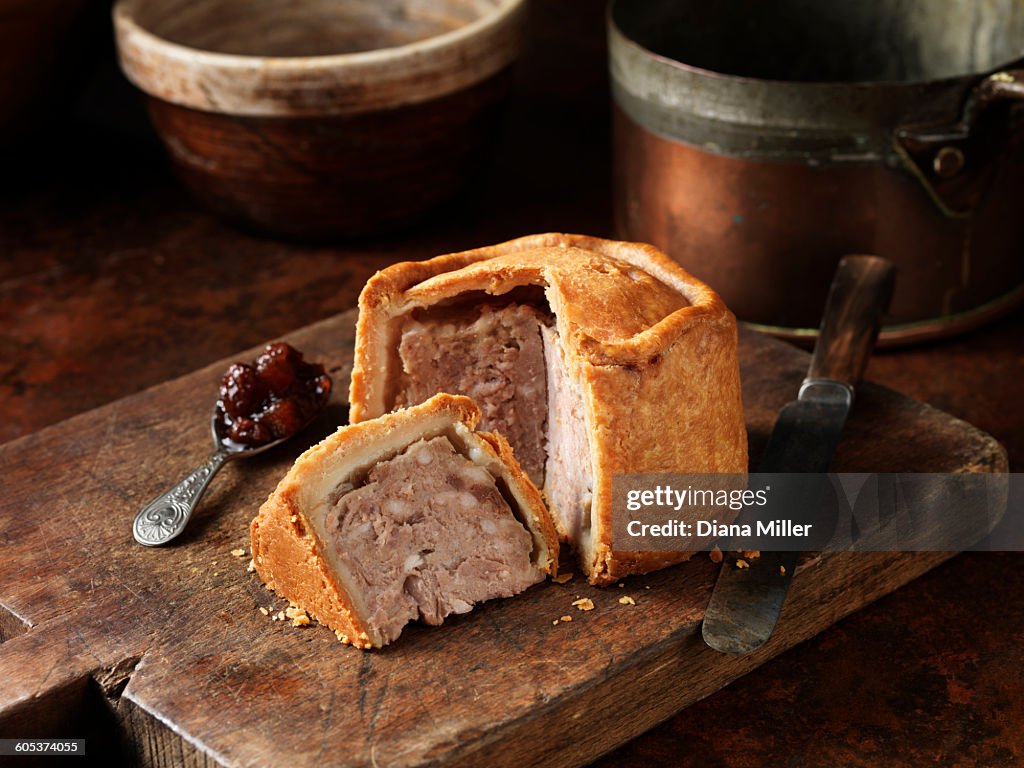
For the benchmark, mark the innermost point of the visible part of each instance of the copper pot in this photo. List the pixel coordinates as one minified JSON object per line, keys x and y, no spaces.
{"x":759,"y":142}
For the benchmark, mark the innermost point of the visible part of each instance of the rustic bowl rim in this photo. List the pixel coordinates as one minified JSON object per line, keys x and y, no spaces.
{"x":242,"y":84}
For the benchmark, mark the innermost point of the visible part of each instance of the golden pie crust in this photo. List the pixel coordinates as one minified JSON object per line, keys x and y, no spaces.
{"x":654,"y":349}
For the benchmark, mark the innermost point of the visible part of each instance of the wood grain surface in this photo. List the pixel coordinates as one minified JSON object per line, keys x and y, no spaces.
{"x":169,"y":652}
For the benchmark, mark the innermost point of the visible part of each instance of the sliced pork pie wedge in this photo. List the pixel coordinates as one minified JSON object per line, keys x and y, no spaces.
{"x":413,"y":515}
{"x":592,"y":357}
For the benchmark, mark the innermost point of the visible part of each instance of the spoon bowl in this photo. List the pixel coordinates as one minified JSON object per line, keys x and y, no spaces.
{"x":218,"y":428}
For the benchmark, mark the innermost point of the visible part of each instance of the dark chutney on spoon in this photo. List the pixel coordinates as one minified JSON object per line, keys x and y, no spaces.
{"x":273,"y":398}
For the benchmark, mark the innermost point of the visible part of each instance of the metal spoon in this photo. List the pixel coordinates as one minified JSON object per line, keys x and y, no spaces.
{"x":166,"y":516}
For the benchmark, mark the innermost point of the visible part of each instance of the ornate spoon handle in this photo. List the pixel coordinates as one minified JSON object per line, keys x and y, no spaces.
{"x":166,"y":516}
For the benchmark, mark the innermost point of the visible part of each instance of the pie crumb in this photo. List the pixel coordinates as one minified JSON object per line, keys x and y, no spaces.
{"x":782,"y":570}
{"x":566,"y":618}
{"x":264,"y":611}
{"x":563,"y":578}
{"x":741,"y":563}
{"x":751,"y":554}
{"x":715,"y":555}
{"x":251,"y":567}
{"x":584,"y":604}
{"x":298,"y":616}
{"x":627,"y":600}
{"x":620,"y":585}
{"x":238,"y":552}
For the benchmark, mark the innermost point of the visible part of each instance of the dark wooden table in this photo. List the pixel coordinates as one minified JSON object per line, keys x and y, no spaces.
{"x":111,"y":280}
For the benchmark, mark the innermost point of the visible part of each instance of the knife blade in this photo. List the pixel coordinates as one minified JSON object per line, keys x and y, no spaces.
{"x":746,"y":603}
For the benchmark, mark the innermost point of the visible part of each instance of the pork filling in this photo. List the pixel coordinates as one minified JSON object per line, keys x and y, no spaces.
{"x":429,"y":534}
{"x":493,"y":355}
{"x":511,"y":362}
{"x":568,"y":472}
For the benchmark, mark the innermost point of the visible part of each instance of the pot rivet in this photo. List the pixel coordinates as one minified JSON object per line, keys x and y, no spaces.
{"x":948,"y":162}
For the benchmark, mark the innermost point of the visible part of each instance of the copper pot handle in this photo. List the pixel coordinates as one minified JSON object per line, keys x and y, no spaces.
{"x":1005,"y":85}
{"x":950,"y":160}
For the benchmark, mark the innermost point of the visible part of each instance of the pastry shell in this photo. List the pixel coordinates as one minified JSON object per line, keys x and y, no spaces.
{"x":660,"y":373}
{"x":287,"y":535}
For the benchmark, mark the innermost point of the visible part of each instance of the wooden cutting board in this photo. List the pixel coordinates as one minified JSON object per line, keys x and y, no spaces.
{"x":162,"y":656}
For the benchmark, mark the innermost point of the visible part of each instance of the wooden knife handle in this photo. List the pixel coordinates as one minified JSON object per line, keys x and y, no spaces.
{"x":859,"y":296}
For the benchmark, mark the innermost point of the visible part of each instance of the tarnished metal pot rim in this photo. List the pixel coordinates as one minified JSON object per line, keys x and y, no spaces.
{"x":811,"y":121}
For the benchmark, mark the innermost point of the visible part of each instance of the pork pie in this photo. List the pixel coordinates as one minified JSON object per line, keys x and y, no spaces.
{"x":592,"y":357}
{"x":413,"y":515}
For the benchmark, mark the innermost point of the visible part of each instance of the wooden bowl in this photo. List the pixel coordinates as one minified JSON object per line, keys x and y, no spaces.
{"x":318,"y":118}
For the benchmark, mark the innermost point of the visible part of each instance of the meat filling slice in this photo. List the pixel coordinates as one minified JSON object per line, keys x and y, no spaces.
{"x":511,"y":362}
{"x":568,"y":472}
{"x":494,"y":355}
{"x":429,"y":534}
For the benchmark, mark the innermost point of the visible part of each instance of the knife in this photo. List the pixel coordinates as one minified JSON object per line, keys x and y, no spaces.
{"x":746,"y":603}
